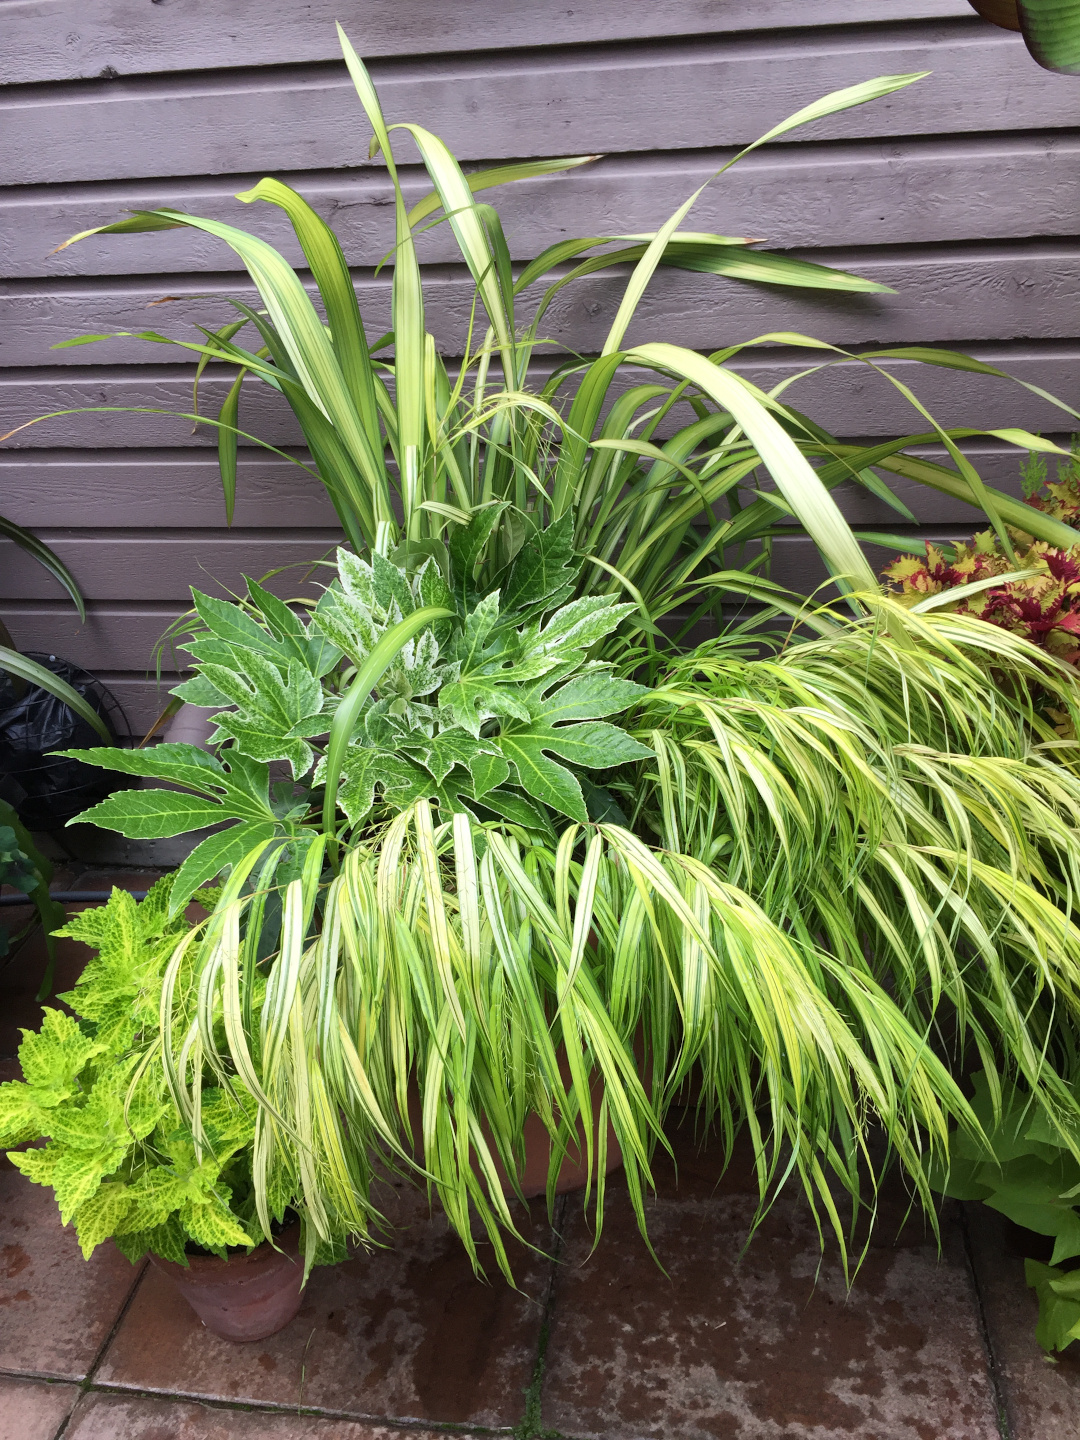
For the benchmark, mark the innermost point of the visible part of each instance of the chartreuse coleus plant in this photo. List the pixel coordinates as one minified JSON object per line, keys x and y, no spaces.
{"x":122,"y":1161}
{"x":492,"y":707}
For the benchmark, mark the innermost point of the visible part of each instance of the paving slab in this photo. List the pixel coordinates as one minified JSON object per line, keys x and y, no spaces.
{"x":407,"y":1333}
{"x":768,"y":1345}
{"x":56,"y":1309}
{"x":103,"y":1416}
{"x":33,"y":1409}
{"x":1042,"y":1396}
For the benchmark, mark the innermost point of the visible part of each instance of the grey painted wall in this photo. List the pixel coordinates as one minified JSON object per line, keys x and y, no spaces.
{"x":961,"y":192}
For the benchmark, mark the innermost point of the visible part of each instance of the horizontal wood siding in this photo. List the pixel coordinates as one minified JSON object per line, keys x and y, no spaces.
{"x":960,"y":193}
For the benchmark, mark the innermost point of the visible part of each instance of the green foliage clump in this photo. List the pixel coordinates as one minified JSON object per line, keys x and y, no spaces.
{"x":495,"y":710}
{"x":1025,"y":1170}
{"x":122,"y":1163}
{"x":23,"y":867}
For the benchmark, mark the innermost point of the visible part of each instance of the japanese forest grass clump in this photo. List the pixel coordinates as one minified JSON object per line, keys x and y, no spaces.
{"x":123,"y":1163}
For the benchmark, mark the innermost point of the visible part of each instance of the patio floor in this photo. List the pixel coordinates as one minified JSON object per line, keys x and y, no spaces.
{"x":766,"y":1345}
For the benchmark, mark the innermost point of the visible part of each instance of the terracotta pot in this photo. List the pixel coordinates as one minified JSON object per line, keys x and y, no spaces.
{"x":998,"y":12}
{"x":246,"y":1297}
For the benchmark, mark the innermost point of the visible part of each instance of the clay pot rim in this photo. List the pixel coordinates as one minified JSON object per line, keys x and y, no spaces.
{"x":286,"y":1245}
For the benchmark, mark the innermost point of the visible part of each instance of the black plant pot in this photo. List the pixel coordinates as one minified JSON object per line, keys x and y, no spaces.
{"x":47,"y":791}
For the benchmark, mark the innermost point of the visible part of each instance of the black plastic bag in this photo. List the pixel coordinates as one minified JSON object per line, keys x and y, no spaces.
{"x":45,"y":790}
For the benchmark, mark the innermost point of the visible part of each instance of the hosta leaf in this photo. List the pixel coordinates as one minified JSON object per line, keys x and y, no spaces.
{"x":152,"y":814}
{"x":594,"y":745}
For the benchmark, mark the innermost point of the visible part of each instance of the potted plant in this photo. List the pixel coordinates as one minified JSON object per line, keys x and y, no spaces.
{"x":123,"y":1164}
{"x":516,"y":841}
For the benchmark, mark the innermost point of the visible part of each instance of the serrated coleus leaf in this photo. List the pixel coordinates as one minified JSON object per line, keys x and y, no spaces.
{"x":105,"y":1213}
{"x":273,"y":712}
{"x":52,"y":1059}
{"x":594,"y":745}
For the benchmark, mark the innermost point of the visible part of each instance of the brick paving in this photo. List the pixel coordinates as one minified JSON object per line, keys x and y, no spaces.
{"x":720,"y":1344}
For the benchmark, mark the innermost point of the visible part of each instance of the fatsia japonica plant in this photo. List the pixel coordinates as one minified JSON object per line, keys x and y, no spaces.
{"x":490,"y":706}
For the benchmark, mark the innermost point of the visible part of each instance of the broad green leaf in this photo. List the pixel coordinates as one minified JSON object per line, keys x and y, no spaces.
{"x":593,"y":745}
{"x":211,"y":856}
{"x":479,"y":697}
{"x":451,"y":747}
{"x":152,"y":814}
{"x":183,"y":764}
{"x":590,"y":697}
{"x":270,"y":709}
{"x":544,"y":566}
{"x":488,"y":772}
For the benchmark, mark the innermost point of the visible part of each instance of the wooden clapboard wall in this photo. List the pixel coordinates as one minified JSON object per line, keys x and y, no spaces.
{"x":961,"y":192}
